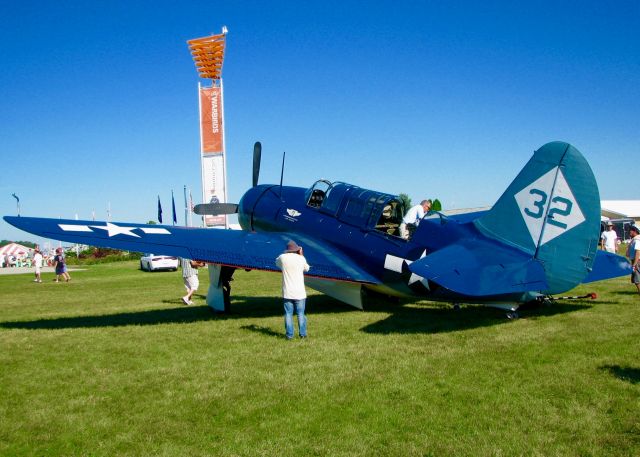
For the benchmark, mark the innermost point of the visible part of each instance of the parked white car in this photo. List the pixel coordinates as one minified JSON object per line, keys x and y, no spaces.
{"x":150,"y":262}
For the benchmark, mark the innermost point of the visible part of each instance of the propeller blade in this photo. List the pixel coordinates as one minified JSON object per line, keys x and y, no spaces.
{"x":257,"y":155}
{"x":214,"y":209}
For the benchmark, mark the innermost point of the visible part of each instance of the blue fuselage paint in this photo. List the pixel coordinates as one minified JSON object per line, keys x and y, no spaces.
{"x":271,"y":208}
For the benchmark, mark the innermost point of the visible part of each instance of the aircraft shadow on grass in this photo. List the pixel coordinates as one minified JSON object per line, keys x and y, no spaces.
{"x":149,"y":317}
{"x":626,"y":373}
{"x":242,"y":308}
{"x":402,"y":319}
{"x":625,"y":292}
{"x":442,"y":319}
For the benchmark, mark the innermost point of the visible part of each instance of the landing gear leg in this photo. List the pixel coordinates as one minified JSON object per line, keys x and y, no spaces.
{"x":219,"y":294}
{"x":226,"y":276}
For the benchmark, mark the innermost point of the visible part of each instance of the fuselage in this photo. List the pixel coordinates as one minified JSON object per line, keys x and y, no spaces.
{"x":364,"y":225}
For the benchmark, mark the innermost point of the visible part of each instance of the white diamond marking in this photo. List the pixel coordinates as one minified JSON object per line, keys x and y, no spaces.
{"x":546,"y":214}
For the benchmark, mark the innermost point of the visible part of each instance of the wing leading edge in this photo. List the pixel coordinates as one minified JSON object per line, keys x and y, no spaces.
{"x":237,"y":248}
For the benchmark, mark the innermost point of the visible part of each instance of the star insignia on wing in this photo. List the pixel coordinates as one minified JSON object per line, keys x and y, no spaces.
{"x":113,"y":230}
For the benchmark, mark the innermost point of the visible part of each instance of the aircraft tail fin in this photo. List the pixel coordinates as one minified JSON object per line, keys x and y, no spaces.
{"x":552,"y":211}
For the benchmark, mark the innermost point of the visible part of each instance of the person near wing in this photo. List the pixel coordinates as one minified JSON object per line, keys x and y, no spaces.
{"x":633,"y":253}
{"x":190,"y":278}
{"x":293,"y":266}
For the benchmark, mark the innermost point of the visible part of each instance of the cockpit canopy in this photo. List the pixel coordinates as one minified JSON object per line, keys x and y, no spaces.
{"x":356,"y":206}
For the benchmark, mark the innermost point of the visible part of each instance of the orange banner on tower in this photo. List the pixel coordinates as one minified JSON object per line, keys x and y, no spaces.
{"x":211,"y":120}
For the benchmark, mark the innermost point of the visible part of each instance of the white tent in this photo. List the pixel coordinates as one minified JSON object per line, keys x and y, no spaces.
{"x":14,"y":249}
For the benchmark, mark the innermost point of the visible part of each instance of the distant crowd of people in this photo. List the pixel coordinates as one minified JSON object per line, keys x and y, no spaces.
{"x":25,"y":259}
{"x":12,"y":261}
{"x":37,"y":260}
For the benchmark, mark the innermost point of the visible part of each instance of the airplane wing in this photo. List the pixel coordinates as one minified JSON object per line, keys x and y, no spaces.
{"x":236,"y":248}
{"x":479,"y":269}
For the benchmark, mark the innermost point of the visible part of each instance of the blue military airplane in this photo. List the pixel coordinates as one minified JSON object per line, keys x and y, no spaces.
{"x":539,"y":239}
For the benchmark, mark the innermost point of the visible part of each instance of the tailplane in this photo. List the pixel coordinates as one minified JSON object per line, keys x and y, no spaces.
{"x":552,"y":212}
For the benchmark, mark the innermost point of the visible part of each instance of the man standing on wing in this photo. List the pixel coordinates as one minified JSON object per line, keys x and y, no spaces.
{"x":293,"y":266}
{"x":413,"y":217}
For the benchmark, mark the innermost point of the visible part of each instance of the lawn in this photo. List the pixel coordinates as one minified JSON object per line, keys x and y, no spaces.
{"x":113,"y":364}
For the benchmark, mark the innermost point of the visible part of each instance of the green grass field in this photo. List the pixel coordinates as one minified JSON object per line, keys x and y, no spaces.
{"x":112,"y":364}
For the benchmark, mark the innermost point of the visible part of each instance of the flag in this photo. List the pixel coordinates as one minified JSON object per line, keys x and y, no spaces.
{"x":159,"y":210}
{"x":173,"y":208}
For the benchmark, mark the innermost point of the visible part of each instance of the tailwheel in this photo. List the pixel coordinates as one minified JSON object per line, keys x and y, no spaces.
{"x":513,"y":315}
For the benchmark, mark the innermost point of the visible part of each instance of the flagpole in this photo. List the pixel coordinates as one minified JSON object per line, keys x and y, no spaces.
{"x":186,"y":222}
{"x":190,"y":209}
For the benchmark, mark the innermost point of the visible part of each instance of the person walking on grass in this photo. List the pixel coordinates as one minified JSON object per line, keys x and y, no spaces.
{"x":37,"y":263}
{"x":293,"y":266}
{"x":60,"y":266}
{"x":190,"y":278}
{"x":633,"y":254}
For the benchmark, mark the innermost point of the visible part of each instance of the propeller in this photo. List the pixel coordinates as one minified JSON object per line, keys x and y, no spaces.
{"x":257,"y":155}
{"x":214,"y":209}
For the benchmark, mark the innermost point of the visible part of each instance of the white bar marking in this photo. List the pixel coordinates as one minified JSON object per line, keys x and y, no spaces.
{"x":393,"y":263}
{"x":156,"y":231}
{"x":75,"y":228}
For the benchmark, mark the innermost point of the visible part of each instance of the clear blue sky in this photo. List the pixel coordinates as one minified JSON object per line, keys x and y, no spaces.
{"x":98,"y":100}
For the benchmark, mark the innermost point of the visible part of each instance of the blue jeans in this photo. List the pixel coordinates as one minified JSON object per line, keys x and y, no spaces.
{"x":289,"y":306}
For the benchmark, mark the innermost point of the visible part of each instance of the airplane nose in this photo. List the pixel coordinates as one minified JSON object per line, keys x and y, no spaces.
{"x":258,"y":204}
{"x":247,"y":205}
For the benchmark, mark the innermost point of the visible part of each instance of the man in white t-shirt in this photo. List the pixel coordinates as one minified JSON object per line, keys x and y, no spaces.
{"x":293,"y":266}
{"x":37,"y":263}
{"x":609,"y":239}
{"x":413,"y":217}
